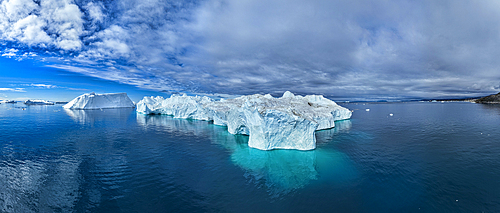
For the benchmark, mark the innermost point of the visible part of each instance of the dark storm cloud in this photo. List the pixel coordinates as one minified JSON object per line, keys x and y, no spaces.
{"x":362,"y":49}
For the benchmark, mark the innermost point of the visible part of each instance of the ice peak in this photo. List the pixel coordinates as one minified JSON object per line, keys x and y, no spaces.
{"x":288,"y":94}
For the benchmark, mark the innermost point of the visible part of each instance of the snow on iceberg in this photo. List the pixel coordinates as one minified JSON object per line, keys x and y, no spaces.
{"x":38,"y":102}
{"x":288,"y":122}
{"x":100,"y":101}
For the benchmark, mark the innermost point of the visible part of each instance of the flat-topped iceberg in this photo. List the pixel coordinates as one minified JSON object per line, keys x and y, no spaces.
{"x":100,"y":101}
{"x":38,"y":102}
{"x":288,"y":122}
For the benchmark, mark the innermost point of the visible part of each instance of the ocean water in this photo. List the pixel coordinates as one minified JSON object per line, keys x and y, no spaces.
{"x":427,"y":157}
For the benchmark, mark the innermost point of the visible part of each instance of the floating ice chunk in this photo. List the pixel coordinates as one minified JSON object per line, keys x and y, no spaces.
{"x":367,"y":110}
{"x":391,"y":114}
{"x":288,"y":122}
{"x":100,"y":101}
{"x":38,"y":102}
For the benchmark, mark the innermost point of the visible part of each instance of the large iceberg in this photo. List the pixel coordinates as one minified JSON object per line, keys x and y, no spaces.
{"x":100,"y":101}
{"x":288,"y":122}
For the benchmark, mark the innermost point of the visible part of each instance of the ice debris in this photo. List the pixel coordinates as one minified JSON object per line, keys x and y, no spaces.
{"x":100,"y":101}
{"x":288,"y":122}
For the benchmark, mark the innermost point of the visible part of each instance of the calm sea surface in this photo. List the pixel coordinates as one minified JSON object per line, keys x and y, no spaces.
{"x":427,"y":157}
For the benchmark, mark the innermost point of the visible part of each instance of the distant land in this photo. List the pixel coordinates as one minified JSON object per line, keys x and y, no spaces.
{"x":473,"y":99}
{"x":491,"y":99}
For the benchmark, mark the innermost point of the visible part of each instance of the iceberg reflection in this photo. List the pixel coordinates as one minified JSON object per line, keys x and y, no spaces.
{"x":285,"y":169}
{"x":280,"y":170}
{"x":178,"y":126}
{"x":91,"y":116}
{"x":325,"y":136}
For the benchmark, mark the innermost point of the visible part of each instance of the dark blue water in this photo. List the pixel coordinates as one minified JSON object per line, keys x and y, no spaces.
{"x":427,"y":157}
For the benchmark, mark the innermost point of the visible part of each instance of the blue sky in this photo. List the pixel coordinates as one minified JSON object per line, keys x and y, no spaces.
{"x":30,"y":79}
{"x":345,"y":49}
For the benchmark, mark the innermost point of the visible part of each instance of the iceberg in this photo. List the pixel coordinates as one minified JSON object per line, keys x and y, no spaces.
{"x":38,"y":102}
{"x":288,"y":122}
{"x":100,"y":101}
{"x":8,"y":102}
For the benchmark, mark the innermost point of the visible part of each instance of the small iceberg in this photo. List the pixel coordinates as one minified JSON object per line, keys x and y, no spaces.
{"x":100,"y":101}
{"x":288,"y":122}
{"x":38,"y":102}
{"x":8,"y":101}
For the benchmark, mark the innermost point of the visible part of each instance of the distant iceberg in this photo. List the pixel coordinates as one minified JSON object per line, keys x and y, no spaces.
{"x":288,"y":122}
{"x":38,"y":102}
{"x":8,"y":102}
{"x":100,"y":101}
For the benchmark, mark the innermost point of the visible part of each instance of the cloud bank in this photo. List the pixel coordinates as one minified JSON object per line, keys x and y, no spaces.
{"x":345,"y":49}
{"x":13,"y":89}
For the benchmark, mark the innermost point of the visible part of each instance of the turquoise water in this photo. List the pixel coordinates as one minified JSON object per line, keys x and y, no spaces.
{"x":427,"y":157}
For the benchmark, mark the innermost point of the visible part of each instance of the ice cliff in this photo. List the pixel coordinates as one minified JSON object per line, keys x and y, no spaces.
{"x":288,"y":122}
{"x":100,"y":101}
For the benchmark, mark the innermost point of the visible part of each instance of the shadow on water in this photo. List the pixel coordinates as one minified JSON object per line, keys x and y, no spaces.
{"x":282,"y":171}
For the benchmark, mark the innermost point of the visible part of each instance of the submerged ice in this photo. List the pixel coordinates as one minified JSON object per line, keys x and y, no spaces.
{"x":100,"y":101}
{"x":288,"y":122}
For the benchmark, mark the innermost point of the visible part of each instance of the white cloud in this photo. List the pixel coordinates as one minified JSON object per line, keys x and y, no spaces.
{"x":13,"y":89}
{"x":14,"y":10}
{"x":94,"y":9}
{"x":124,"y":77}
{"x":112,"y":43}
{"x":30,"y":31}
{"x":51,"y":23}
{"x":9,"y":54}
{"x":46,"y":86}
{"x":65,"y":20}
